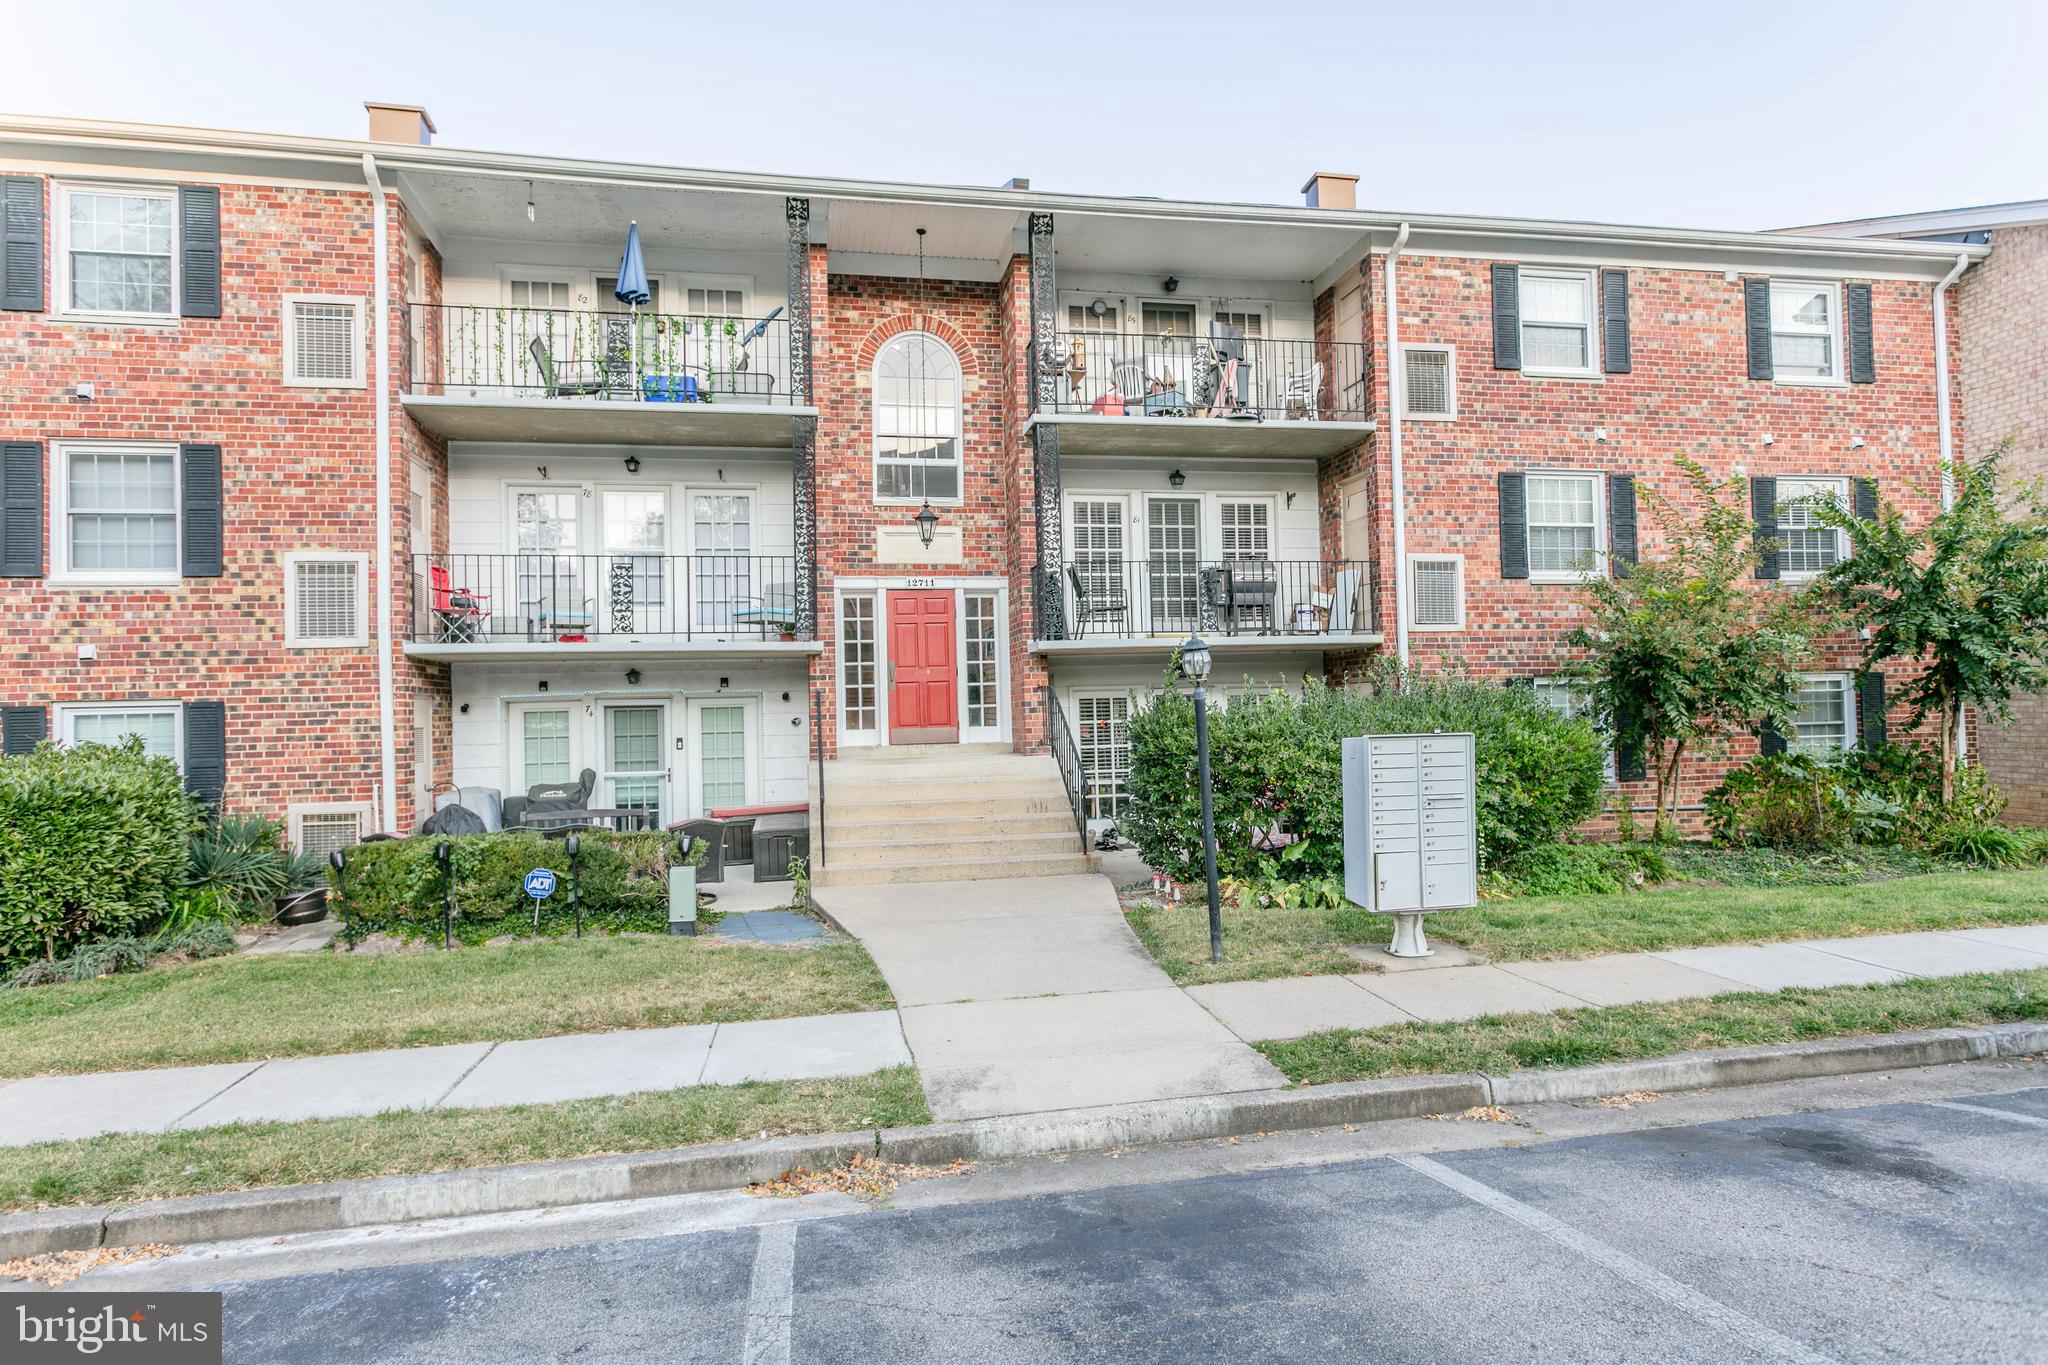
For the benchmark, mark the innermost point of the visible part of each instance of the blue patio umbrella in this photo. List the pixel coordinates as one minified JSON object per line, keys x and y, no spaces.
{"x":632,"y":285}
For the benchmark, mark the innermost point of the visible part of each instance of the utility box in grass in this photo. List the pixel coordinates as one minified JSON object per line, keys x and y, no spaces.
{"x":1411,"y":834}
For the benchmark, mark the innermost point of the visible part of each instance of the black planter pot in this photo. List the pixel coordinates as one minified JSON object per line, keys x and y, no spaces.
{"x":302,"y":907}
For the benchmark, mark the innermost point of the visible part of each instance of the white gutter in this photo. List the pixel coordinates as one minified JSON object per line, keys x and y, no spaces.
{"x":1941,"y":407}
{"x":380,"y":567}
{"x":1396,"y":393}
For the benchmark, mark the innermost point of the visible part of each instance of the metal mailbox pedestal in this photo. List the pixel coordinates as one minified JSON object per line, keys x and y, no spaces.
{"x":1411,"y":839}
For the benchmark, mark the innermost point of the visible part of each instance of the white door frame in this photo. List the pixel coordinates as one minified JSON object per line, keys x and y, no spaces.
{"x":850,"y":586}
{"x":663,"y":705}
{"x":692,"y":775}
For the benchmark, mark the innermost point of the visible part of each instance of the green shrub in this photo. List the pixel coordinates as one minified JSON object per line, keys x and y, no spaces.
{"x":1277,"y":760}
{"x":92,"y":844}
{"x":243,"y":862}
{"x":1887,"y":795}
{"x":395,"y":885}
{"x":1584,"y":870}
{"x":126,"y":953}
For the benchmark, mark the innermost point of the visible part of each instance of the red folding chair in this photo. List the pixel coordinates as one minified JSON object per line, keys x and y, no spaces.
{"x":460,"y":613}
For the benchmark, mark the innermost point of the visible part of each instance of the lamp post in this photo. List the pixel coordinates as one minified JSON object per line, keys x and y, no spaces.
{"x":1194,"y":664}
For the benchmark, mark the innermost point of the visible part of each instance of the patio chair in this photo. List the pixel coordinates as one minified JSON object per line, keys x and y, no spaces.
{"x":1249,"y":592}
{"x":773,"y":609}
{"x":710,"y":833}
{"x":556,"y":607}
{"x":460,"y":616}
{"x":551,"y":383}
{"x":1105,"y":601}
{"x":1233,"y":383}
{"x":1303,"y":395}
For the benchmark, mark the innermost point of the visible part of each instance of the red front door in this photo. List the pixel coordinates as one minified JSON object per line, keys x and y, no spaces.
{"x":924,"y":687}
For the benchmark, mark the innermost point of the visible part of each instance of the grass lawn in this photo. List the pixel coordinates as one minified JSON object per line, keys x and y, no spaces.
{"x":127,"y":1167}
{"x":1584,"y":1037}
{"x":296,"y":1005}
{"x":1268,"y":943}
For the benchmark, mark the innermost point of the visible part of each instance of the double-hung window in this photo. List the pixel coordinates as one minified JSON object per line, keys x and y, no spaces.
{"x":154,"y":723}
{"x":917,"y":420}
{"x":1805,"y":332}
{"x":1557,"y":321}
{"x":1807,"y":545}
{"x":1564,"y":526}
{"x":1569,"y":700}
{"x":117,"y":250}
{"x":1825,"y":720}
{"x":115,"y":513}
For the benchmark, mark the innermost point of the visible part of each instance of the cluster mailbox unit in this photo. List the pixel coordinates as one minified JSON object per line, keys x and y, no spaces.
{"x":1411,"y":841}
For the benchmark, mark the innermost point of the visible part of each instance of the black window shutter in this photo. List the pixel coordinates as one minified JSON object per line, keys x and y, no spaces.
{"x":206,"y":750}
{"x":1870,"y":708}
{"x":1862,"y":340}
{"x":22,"y":728}
{"x":1864,"y":499}
{"x":1756,"y":302}
{"x":1507,"y":318}
{"x":1614,"y":321}
{"x":1763,"y":509}
{"x":1621,"y":522}
{"x":1629,"y":762}
{"x":1514,"y":524}
{"x":21,"y":509}
{"x":21,"y":243}
{"x":1769,"y":742}
{"x":198,"y":251}
{"x":199,"y":473}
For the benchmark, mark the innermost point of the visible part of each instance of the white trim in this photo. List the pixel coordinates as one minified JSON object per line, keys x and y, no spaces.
{"x":1450,"y":354}
{"x":1598,"y":568}
{"x":878,"y":587}
{"x":357,"y":377}
{"x":297,"y":811}
{"x":61,"y":307}
{"x":1837,"y":376}
{"x":1844,"y":485}
{"x":693,"y":748}
{"x":292,"y":560}
{"x":1408,"y":585}
{"x":62,"y":575}
{"x":66,"y":712}
{"x":680,"y":283}
{"x":1851,"y":729}
{"x":1589,"y":278}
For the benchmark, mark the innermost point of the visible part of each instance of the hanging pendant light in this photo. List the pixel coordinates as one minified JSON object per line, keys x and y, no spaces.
{"x":529,"y":202}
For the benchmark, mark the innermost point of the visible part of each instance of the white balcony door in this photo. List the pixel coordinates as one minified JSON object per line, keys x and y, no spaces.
{"x":723,"y":590}
{"x":724,"y":740}
{"x":635,"y":772}
{"x":550,"y":584}
{"x":1169,"y":332}
{"x":633,"y":524}
{"x":1173,"y":555}
{"x":1095,"y":547}
{"x":543,"y":746}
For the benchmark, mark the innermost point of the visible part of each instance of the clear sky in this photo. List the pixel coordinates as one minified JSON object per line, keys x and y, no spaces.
{"x":1710,"y":115}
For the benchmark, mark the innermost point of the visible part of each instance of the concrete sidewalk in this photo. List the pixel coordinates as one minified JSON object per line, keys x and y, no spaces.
{"x":1028,"y":994}
{"x":1263,"y":1011}
{"x":460,"y":1076}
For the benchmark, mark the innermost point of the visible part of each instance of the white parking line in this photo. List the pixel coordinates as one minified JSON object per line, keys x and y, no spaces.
{"x":769,"y":1306}
{"x":1712,"y":1312}
{"x":1988,"y":1111}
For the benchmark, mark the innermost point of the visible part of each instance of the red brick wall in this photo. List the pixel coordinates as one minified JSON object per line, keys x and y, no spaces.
{"x":302,"y":723}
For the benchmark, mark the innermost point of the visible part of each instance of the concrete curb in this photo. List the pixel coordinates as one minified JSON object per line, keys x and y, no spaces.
{"x":720,"y":1166}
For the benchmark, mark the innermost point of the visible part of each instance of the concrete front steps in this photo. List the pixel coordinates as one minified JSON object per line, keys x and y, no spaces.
{"x":946,"y":812}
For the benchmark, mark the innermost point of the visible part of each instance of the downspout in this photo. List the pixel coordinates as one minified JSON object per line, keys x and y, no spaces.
{"x":380,"y":568}
{"x":1396,"y":386}
{"x":1945,"y":437}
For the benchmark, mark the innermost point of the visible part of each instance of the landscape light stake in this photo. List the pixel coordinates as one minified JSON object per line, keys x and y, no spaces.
{"x":339,"y":863}
{"x":576,"y":882}
{"x":445,"y":855}
{"x":1194,"y":663}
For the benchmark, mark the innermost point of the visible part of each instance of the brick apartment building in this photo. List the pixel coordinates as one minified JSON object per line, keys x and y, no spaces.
{"x":2002,"y":392}
{"x":338,"y":472}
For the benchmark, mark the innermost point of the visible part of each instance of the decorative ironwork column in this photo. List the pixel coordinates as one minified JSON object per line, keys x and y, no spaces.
{"x":804,"y":437}
{"x":1046,"y":436}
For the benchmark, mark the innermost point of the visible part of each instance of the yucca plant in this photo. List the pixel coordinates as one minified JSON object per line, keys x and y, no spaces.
{"x":242,"y":860}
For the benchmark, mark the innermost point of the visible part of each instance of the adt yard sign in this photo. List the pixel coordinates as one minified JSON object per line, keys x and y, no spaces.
{"x":540,"y":883}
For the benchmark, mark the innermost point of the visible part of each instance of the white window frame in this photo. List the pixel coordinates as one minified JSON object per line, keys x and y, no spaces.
{"x":292,"y":638}
{"x":297,"y":811}
{"x":1416,"y":626}
{"x":1840,"y":483}
{"x":1600,"y":549}
{"x":1574,"y":695}
{"x":581,"y":743}
{"x":1835,"y":376}
{"x":70,"y":711}
{"x":743,"y":285}
{"x":1586,"y":278}
{"x":291,"y":345}
{"x":1450,"y":354}
{"x":959,"y":461}
{"x":1131,"y":707}
{"x":61,"y":572}
{"x":1850,"y":727}
{"x":60,"y":235}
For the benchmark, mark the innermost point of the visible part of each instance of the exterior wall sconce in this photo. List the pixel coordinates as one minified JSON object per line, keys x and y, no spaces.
{"x":927,"y":523}
{"x":632,"y":464}
{"x":1176,"y":478}
{"x":632,"y":677}
{"x":1170,"y":284}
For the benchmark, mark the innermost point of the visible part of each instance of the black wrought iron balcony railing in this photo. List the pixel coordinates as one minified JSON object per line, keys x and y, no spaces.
{"x":645,"y":357}
{"x":463,"y":599}
{"x":1167,"y":596}
{"x":1231,"y":377}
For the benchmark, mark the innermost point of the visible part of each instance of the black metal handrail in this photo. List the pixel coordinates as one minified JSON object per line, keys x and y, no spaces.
{"x":1066,"y":751}
{"x":1228,"y":377}
{"x":482,"y":598}
{"x":1167,"y":595}
{"x":586,"y":353}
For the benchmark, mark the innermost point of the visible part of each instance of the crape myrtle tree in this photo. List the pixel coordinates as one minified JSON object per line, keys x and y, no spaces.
{"x":1678,"y":649}
{"x":1963,"y":598}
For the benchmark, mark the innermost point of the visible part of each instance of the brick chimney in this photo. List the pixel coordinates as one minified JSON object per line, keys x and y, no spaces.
{"x":1331,"y":190}
{"x":407,"y":123}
